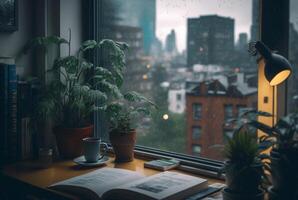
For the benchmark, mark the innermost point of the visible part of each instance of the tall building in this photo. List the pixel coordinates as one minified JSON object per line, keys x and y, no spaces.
{"x":242,"y":41}
{"x":292,"y":82}
{"x":132,"y":22}
{"x":171,"y":46}
{"x":254,"y":29}
{"x":137,"y":64}
{"x":208,"y":105}
{"x":139,"y":13}
{"x":210,"y":40}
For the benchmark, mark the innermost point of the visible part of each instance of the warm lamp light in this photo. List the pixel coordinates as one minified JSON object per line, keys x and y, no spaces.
{"x":277,"y":67}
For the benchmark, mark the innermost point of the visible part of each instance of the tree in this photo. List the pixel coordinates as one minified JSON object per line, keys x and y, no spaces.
{"x":166,"y":134}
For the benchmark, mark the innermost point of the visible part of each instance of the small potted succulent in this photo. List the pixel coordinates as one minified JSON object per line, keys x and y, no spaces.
{"x":77,"y":89}
{"x":243,"y":168}
{"x":124,"y":117}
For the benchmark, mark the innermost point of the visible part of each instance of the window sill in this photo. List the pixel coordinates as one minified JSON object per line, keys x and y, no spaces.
{"x":191,"y":164}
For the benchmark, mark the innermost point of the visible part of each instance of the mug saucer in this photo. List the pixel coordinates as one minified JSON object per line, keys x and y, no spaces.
{"x":81,"y":161}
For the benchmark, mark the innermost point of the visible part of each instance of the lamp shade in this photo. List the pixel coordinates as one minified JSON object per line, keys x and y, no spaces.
{"x":277,"y":67}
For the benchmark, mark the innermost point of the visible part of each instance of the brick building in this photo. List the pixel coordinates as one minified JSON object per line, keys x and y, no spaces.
{"x":208,"y":106}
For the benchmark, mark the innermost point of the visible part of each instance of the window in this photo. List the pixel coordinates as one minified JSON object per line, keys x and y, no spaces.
{"x":196,"y":149}
{"x":241,"y":109}
{"x":293,"y":58}
{"x":178,"y":97}
{"x":197,"y":111}
{"x":191,"y":65}
{"x":228,"y":112}
{"x":196,"y":132}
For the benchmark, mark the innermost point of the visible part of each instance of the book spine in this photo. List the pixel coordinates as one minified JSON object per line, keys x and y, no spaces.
{"x":24,"y":106}
{"x":20,"y":97}
{"x":12,"y":113}
{"x":3,"y":112}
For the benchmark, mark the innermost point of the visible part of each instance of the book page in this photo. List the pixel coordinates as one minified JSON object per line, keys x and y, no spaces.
{"x":165,"y":185}
{"x":99,"y":181}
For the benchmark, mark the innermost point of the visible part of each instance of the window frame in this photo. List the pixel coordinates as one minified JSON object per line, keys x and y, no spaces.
{"x":192,"y":133}
{"x":226,"y":106}
{"x":193,"y":111}
{"x":279,"y":41}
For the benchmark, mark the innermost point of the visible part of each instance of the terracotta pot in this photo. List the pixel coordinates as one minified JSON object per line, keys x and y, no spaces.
{"x":69,"y":140}
{"x":123,"y":145}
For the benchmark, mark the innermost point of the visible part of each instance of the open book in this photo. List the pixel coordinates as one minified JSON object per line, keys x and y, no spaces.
{"x":116,"y":184}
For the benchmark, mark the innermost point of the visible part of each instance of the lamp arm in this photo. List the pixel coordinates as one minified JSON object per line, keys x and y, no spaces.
{"x":263,"y":50}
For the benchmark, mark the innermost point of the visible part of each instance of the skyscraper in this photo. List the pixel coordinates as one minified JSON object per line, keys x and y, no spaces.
{"x":242,"y":41}
{"x":139,"y":13}
{"x":254,"y":29}
{"x":210,"y":40}
{"x":171,"y":43}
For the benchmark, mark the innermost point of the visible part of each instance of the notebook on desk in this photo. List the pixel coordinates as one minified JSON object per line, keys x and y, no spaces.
{"x":111,"y":184}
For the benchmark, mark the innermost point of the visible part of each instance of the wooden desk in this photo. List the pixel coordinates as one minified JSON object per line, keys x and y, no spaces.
{"x":61,"y":170}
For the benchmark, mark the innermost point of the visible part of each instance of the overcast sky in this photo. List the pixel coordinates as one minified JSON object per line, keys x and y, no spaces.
{"x":173,"y":14}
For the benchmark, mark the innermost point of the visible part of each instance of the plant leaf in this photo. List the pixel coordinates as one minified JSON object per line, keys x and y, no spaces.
{"x":89,"y":44}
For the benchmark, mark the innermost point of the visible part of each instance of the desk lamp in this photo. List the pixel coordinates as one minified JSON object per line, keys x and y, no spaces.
{"x":277,"y":67}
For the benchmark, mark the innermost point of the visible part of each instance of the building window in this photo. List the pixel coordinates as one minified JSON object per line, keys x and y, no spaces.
{"x":228,"y":112}
{"x":196,"y":149}
{"x":178,"y":97}
{"x":241,"y":109}
{"x":196,"y":132}
{"x":197,"y":111}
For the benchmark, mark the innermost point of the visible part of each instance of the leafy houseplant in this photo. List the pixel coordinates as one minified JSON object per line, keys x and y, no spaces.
{"x":283,"y":165}
{"x":77,"y":89}
{"x":124,"y":116}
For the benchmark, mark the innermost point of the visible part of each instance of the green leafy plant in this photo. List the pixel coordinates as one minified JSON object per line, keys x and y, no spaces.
{"x":282,"y":163}
{"x":78,"y":88}
{"x":125,"y":113}
{"x":282,"y":136}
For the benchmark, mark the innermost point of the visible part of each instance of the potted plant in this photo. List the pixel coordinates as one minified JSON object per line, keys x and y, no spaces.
{"x":283,"y":165}
{"x":243,"y":168}
{"x":124,"y":116}
{"x":77,"y":89}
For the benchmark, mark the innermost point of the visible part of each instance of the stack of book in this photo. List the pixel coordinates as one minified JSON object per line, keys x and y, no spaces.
{"x":17,"y":99}
{"x":8,"y":110}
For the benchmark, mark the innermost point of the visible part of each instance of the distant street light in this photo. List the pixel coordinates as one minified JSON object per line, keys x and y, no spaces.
{"x":165,"y":116}
{"x":145,"y":77}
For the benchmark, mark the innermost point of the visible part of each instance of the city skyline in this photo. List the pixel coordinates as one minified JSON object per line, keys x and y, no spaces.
{"x":173,"y":14}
